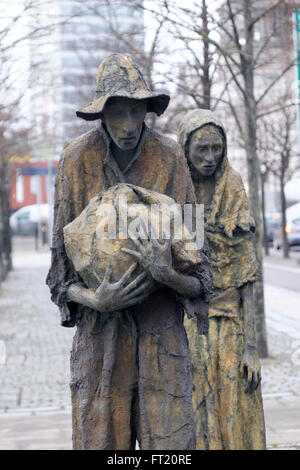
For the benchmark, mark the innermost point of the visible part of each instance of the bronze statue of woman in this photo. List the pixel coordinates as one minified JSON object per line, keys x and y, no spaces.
{"x":226,"y":369}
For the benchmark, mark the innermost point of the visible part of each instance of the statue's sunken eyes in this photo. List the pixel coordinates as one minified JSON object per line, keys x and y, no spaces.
{"x":117,"y":111}
{"x":215,"y":148}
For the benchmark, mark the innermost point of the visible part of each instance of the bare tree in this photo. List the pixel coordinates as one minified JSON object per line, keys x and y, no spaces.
{"x":22,"y":22}
{"x":13,"y":144}
{"x":266,"y":156}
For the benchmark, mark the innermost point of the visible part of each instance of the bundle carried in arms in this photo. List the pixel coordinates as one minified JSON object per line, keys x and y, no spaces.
{"x":95,"y":238}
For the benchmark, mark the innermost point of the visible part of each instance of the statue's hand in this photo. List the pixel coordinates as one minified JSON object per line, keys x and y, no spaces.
{"x":119,"y":295}
{"x":155,"y":257}
{"x":250,"y":368}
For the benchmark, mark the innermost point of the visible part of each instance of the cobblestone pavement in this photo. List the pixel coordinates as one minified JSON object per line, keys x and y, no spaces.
{"x":38,"y":431}
{"x":35,"y":363}
{"x":35,"y":351}
{"x":281,"y":370}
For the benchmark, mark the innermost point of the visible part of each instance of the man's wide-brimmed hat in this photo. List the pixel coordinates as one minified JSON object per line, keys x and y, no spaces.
{"x":119,"y":76}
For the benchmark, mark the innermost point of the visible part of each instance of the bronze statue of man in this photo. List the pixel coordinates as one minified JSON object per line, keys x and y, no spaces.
{"x":226,"y":370}
{"x":130,"y":365}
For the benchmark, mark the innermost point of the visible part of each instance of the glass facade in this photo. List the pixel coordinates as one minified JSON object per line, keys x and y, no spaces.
{"x":87,"y":35}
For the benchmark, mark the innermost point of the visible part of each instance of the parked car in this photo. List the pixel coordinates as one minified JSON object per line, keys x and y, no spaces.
{"x":273,"y":221}
{"x":292,"y":228}
{"x":25,"y":220}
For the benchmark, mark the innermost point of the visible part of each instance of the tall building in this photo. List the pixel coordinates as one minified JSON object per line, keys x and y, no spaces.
{"x":67,"y":60}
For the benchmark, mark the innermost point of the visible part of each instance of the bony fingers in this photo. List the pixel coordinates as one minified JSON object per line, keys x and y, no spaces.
{"x":135,"y":238}
{"x":154,"y":235}
{"x":136,"y":300}
{"x":259,"y":379}
{"x":99,"y":289}
{"x":249,"y":380}
{"x":136,"y":254}
{"x":255,"y":382}
{"x":127,"y":274}
{"x":154,"y":232}
{"x":105,"y":281}
{"x":135,"y":282}
{"x":141,"y":276}
{"x":251,"y":384}
{"x":251,"y":387}
{"x":107,"y":274}
{"x":141,"y":244}
{"x":139,"y":289}
{"x":246,"y":376}
{"x":130,"y":270}
{"x":146,"y":229}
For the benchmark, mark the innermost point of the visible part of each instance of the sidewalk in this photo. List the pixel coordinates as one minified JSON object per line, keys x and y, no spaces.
{"x":41,"y":430}
{"x":281,"y":370}
{"x":282,"y":416}
{"x":275,"y":256}
{"x":35,"y":396}
{"x":36,"y":369}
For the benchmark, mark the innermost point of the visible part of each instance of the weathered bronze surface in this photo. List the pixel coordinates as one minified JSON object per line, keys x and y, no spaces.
{"x":119,"y":76}
{"x":130,"y":368}
{"x":226,"y":371}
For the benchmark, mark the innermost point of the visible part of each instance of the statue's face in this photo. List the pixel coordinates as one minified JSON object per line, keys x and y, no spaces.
{"x":206,"y":149}
{"x":124,"y":119}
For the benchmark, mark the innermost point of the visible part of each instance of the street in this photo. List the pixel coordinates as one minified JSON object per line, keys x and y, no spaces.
{"x":283,"y":273}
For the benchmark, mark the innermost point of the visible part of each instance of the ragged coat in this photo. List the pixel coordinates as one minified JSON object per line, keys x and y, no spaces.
{"x":130,"y":370}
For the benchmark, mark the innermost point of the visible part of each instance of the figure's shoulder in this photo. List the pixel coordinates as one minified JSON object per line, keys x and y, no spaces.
{"x":168,"y":145}
{"x":235,"y":179}
{"x":85,"y":142}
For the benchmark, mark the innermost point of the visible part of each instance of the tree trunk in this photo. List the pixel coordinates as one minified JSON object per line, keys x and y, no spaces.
{"x":285,"y":246}
{"x":253,"y":167}
{"x":266,"y":244}
{"x":7,"y":245}
{"x":255,"y":204}
{"x":5,"y":233}
{"x":206,"y":80}
{"x":2,"y":276}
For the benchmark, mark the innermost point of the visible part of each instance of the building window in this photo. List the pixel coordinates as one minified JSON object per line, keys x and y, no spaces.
{"x":19,"y":188}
